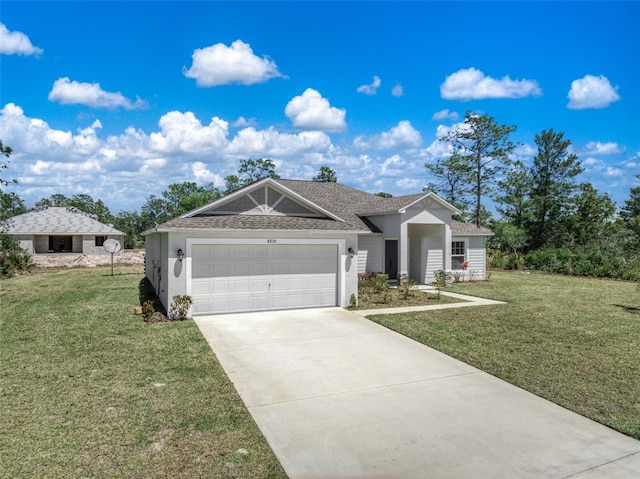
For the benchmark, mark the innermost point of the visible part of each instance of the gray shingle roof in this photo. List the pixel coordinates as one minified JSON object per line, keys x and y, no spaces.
{"x":58,"y":220}
{"x":255,"y":222}
{"x":459,"y":228}
{"x":348,"y":204}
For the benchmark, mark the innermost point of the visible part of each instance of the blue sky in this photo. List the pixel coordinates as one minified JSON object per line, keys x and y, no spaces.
{"x":120,"y":99}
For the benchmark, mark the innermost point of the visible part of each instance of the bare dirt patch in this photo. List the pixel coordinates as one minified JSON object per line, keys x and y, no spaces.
{"x":72,"y":260}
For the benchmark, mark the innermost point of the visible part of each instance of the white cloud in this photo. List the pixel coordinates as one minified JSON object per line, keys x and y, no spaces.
{"x":310,"y":111}
{"x":184,"y":133}
{"x":445,"y":115}
{"x":124,"y":169}
{"x":202,"y":174}
{"x":69,"y":92}
{"x":472,"y":84}
{"x":372,"y":88}
{"x":397,"y":91}
{"x":403,"y":135}
{"x":598,"y":148}
{"x":411,"y":184}
{"x":243,"y":122}
{"x":591,"y":92}
{"x":590,"y":162}
{"x":16,"y":43}
{"x":272,"y":143}
{"x":34,"y":137}
{"x":223,"y":65}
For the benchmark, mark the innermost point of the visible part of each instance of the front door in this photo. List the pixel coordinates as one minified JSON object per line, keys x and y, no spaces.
{"x":391,"y":258}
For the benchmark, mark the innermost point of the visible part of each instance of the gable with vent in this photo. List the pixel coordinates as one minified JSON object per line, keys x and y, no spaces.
{"x":263,"y":201}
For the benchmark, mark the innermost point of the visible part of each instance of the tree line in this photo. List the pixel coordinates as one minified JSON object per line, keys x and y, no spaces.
{"x":546,"y":219}
{"x":177,"y":199}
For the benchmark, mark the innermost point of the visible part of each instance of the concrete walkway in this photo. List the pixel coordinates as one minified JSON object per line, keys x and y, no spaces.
{"x":465,"y":302}
{"x":338,"y":396}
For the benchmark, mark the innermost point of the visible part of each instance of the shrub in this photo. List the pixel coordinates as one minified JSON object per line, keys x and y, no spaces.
{"x":179,"y":309}
{"x":439,"y":280}
{"x":13,"y":259}
{"x":353,"y":302}
{"x":406,"y":287}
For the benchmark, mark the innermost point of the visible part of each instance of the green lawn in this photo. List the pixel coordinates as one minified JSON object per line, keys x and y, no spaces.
{"x":574,"y":341}
{"x":87,"y":389}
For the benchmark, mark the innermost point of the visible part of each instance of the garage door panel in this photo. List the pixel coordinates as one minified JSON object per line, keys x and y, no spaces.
{"x":228,"y":278}
{"x":259,"y":285}
{"x":261,"y":268}
{"x":200,"y":288}
{"x":220,"y":286}
{"x":201,"y":270}
{"x":240,"y":285}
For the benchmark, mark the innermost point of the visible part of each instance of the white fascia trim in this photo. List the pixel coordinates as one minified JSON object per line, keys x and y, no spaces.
{"x":435,"y":198}
{"x":226,"y":198}
{"x":259,"y":184}
{"x":304,"y":201}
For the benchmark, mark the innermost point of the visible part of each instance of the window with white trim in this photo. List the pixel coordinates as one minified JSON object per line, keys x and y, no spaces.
{"x":457,"y":254}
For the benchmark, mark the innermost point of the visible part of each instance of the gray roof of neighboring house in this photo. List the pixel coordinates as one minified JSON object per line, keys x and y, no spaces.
{"x":348,"y":204}
{"x":58,"y":221}
{"x":464,"y":229}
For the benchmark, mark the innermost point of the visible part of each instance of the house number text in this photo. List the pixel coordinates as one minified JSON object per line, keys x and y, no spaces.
{"x":272,"y":241}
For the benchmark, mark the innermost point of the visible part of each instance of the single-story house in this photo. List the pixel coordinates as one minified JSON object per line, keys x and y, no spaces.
{"x":281,"y":244}
{"x":48,"y":229}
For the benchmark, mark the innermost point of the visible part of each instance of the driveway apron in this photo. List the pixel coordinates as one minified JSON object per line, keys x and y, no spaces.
{"x":338,"y":396}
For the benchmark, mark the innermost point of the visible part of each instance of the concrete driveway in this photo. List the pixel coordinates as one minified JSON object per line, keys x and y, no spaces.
{"x":338,"y":396}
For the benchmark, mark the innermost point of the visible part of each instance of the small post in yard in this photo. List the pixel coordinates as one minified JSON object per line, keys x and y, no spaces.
{"x":112,"y":246}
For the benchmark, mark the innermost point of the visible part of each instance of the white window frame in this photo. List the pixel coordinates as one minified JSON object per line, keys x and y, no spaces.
{"x":463,"y":255}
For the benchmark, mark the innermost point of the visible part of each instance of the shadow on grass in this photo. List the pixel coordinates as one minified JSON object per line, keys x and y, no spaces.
{"x":146,"y":293}
{"x":628,"y":307}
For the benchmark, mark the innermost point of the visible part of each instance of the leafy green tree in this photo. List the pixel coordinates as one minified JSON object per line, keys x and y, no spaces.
{"x":481,"y":149}
{"x":5,"y":153}
{"x":254,"y":170}
{"x":232,"y":183}
{"x":326,"y":175}
{"x":553,"y":184}
{"x":56,"y":200}
{"x":132,"y":224}
{"x":183,"y":197}
{"x":630,"y":211}
{"x":11,"y":205}
{"x":452,"y":176}
{"x":176,"y":200}
{"x":13,"y":258}
{"x":384,"y":195}
{"x":249,"y":172}
{"x":513,"y":201}
{"x":592,"y":218}
{"x":83,"y":202}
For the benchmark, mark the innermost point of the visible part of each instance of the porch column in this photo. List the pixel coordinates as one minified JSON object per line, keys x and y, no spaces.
{"x":404,"y":250}
{"x":446,"y":247}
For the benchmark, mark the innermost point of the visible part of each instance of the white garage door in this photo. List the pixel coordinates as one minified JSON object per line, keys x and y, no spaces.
{"x":236,"y":278}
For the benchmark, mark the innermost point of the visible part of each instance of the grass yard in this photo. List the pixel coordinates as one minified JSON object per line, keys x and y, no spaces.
{"x":574,"y":341}
{"x":87,"y":389}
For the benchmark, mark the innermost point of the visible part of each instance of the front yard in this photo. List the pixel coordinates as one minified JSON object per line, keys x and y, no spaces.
{"x":574,"y":341}
{"x":87,"y":389}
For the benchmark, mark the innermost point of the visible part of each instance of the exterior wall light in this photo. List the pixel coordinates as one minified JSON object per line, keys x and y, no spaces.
{"x":351,"y":251}
{"x":180,"y":254}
